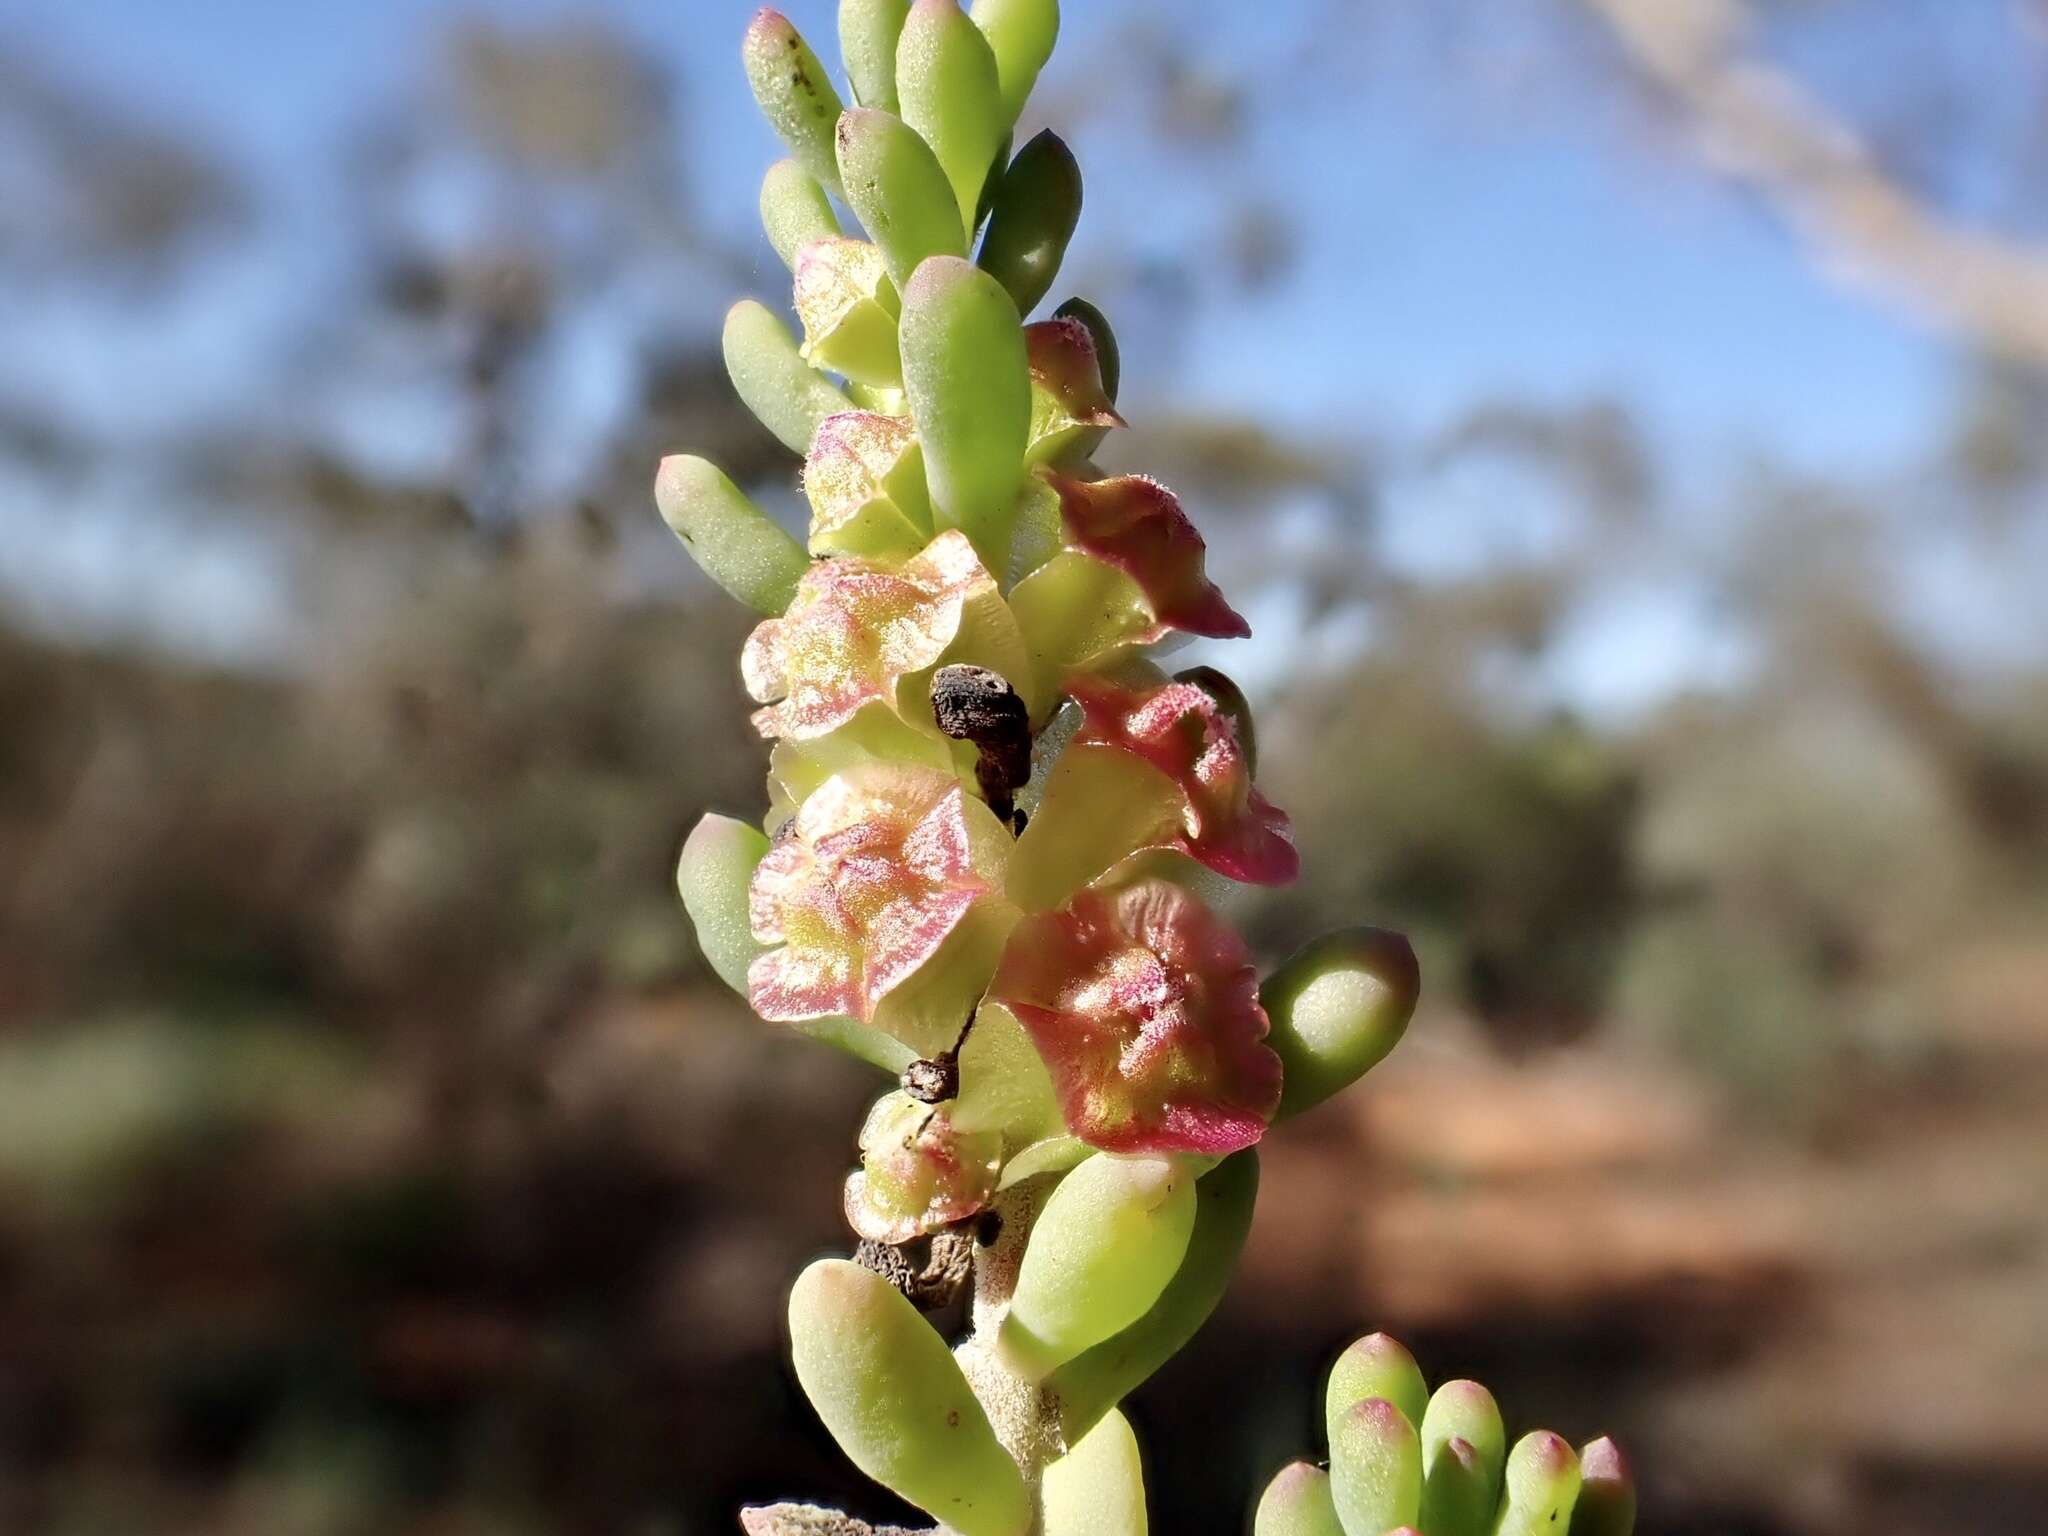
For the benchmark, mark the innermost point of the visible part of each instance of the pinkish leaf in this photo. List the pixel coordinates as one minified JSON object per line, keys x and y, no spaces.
{"x":864,"y":480}
{"x":1177,"y":728}
{"x":1144,"y":1006}
{"x":855,"y":628}
{"x":1137,"y":525}
{"x":878,"y":867}
{"x":919,"y":1171}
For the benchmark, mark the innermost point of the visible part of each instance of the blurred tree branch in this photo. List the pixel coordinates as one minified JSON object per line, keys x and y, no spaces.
{"x":1763,"y":128}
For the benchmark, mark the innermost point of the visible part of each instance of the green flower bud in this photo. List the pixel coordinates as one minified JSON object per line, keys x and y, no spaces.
{"x":730,"y":538}
{"x":1087,"y":1387}
{"x":1374,"y":1366}
{"x":868,"y":31}
{"x":946,"y":86}
{"x":1036,"y":209}
{"x":968,"y":382}
{"x":1110,"y":1238}
{"x":795,"y":211}
{"x":894,"y":1398}
{"x":1375,"y":1468}
{"x":1463,"y":1448}
{"x":787,"y":394}
{"x":794,"y":91}
{"x":1542,"y":1486}
{"x":849,"y":307}
{"x":1338,"y":1006}
{"x":1298,"y":1502}
{"x":1021,"y":34}
{"x":1607,"y":1492}
{"x":1098,"y":1487}
{"x":893,"y":181}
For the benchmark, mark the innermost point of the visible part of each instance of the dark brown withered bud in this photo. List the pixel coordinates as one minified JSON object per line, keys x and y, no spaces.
{"x":931,"y":1271}
{"x":978,"y":705}
{"x":934,"y":1081}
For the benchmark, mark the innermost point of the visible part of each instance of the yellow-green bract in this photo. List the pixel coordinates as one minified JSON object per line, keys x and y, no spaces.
{"x":891,"y":1394}
{"x":1110,"y":1238}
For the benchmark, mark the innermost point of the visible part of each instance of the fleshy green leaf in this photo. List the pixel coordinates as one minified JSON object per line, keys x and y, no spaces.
{"x":1463,"y":1448}
{"x":794,"y":91}
{"x":947,"y":89}
{"x":1098,"y":1487}
{"x":894,"y":1398}
{"x":1375,"y":1469}
{"x":795,"y":211}
{"x":1606,"y":1505}
{"x":968,"y":381}
{"x":1109,"y":1239}
{"x":790,"y":397}
{"x":1021,"y":34}
{"x":1374,"y":1366}
{"x":1542,"y":1486}
{"x":894,"y":182}
{"x":868,"y":30}
{"x":1338,"y":1006}
{"x":730,"y":538}
{"x":1090,"y":1385}
{"x":1032,"y":219}
{"x":713,"y":875}
{"x":1297,"y":1503}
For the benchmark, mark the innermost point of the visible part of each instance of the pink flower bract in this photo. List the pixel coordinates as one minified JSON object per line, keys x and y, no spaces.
{"x":1144,"y":1006}
{"x":1177,"y":728}
{"x":862,"y":888}
{"x":1138,"y":526}
{"x":854,"y":629}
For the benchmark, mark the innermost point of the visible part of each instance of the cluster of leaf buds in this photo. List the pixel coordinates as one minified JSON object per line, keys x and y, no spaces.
{"x":997,"y":824}
{"x":1406,"y":1462}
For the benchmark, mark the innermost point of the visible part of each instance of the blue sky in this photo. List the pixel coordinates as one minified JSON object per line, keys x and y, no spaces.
{"x":1466,"y":232}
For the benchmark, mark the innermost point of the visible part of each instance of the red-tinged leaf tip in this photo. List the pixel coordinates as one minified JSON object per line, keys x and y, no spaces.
{"x":1602,"y":1460}
{"x":1063,"y":362}
{"x":853,"y":630}
{"x":1179,"y":729}
{"x":1138,"y":526}
{"x":864,"y":885}
{"x":1144,"y":1006}
{"x":919,"y":1171}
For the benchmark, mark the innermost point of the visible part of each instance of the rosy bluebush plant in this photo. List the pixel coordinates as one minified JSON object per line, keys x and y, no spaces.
{"x":997,"y":826}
